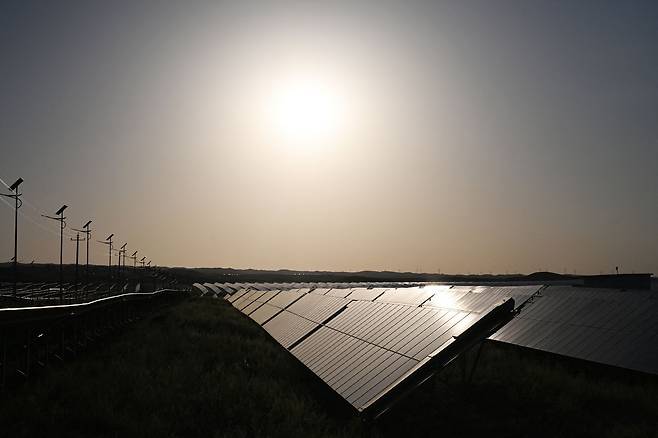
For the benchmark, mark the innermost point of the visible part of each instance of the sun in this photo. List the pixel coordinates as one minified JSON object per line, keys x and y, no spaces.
{"x":307,"y":110}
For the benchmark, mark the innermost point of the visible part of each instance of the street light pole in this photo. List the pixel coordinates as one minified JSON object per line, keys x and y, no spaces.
{"x":17,"y":204}
{"x":77,"y":241}
{"x":62,"y":225}
{"x":85,"y":229}
{"x":134,"y":257}
{"x":108,"y":241}
{"x":122,"y":250}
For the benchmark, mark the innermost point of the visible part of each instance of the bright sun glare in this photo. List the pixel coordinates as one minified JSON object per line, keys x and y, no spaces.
{"x":307,"y":110}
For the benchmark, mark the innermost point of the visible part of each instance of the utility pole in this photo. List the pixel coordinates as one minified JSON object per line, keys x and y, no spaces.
{"x":148,"y":267}
{"x":141,"y":273}
{"x":122,"y":250}
{"x":62,"y":224}
{"x":77,"y":241}
{"x":134,"y":257}
{"x":17,"y":204}
{"x":87,"y":231}
{"x":108,"y":242}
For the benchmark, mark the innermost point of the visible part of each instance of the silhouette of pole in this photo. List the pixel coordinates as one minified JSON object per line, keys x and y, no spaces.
{"x":77,"y":241}
{"x":108,"y":242}
{"x":134,"y":257}
{"x":88,"y":233}
{"x":122,"y":250}
{"x":17,"y":204}
{"x":85,"y":229}
{"x":141,"y":272}
{"x":134,"y":271}
{"x":62,"y":225}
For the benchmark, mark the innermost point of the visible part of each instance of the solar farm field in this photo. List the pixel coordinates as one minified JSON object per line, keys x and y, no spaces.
{"x":209,"y":370}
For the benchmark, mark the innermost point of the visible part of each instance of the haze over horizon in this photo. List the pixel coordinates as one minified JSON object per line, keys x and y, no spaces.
{"x":463,"y":137}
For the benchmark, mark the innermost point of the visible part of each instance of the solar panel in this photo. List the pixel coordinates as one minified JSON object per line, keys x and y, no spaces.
{"x":479,"y":299}
{"x":413,"y":332}
{"x":248,"y":299}
{"x":414,"y":296}
{"x":338,"y":292}
{"x":251,"y":307}
{"x":352,"y":367}
{"x":370,"y":344}
{"x":364,"y":349}
{"x":216,"y":291}
{"x":317,"y":308}
{"x":201,"y":288}
{"x":285,"y":298}
{"x":288,"y":328}
{"x":239,"y":303}
{"x":268,"y":295}
{"x":258,"y":301}
{"x":364,"y":294}
{"x":232,"y":298}
{"x":612,"y":327}
{"x":265,"y":313}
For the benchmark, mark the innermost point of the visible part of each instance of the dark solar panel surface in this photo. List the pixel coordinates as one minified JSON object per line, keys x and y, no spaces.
{"x":364,"y":294}
{"x":618,"y":328}
{"x":251,"y":307}
{"x":236,"y":295}
{"x":339,"y":292}
{"x":354,"y":368}
{"x":285,"y":298}
{"x":288,"y":328}
{"x":317,"y":308}
{"x":362,"y":340}
{"x":264,"y":313}
{"x":411,"y":331}
{"x":414,"y":296}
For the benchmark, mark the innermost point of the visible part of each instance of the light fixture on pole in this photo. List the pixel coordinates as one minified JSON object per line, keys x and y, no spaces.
{"x":17,"y":204}
{"x":62,"y":224}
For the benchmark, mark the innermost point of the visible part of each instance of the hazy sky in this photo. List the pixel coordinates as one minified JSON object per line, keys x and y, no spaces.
{"x":465,"y":136}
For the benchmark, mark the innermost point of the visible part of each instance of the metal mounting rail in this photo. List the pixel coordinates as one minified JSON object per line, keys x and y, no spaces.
{"x":30,"y":337}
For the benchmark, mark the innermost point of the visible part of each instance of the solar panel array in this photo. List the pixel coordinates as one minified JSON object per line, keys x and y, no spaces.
{"x":365,"y":339}
{"x":608,"y":326}
{"x":364,"y":342}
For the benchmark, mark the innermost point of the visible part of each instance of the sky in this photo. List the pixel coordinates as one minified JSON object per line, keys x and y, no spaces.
{"x":453,"y":137}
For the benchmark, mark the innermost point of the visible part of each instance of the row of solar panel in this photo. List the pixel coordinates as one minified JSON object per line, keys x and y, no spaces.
{"x":613,"y":327}
{"x":364,"y":342}
{"x":231,"y":288}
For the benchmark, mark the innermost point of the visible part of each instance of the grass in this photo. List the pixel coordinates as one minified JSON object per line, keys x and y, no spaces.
{"x":202,"y":369}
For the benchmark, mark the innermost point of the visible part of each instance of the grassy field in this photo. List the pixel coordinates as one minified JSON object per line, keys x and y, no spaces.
{"x":202,"y":369}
